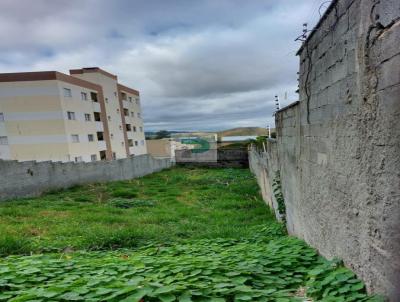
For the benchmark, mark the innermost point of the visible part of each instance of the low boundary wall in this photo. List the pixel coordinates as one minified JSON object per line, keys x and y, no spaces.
{"x":31,"y":178}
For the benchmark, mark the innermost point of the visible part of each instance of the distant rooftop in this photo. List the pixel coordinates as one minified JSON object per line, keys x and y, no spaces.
{"x":237,"y":138}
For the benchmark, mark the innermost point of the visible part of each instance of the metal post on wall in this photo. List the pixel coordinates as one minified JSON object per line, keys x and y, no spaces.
{"x":277,"y":105}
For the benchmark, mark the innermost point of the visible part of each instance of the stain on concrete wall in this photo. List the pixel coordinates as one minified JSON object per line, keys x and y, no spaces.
{"x":30,"y":178}
{"x":338,"y":149}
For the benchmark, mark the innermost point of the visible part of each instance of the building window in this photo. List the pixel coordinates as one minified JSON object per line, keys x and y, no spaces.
{"x":132,"y":114}
{"x":78,"y":159}
{"x":71,"y":115}
{"x":115,"y":93}
{"x":134,"y":128}
{"x":93,"y":97}
{"x":67,"y":93}
{"x":126,"y":112}
{"x":130,"y":99}
{"x":75,"y":138}
{"x":84,"y":96}
{"x":97,"y":116}
{"x":130,"y":143}
{"x":123,"y":96}
{"x":120,"y":127}
{"x":90,"y":137}
{"x":3,"y":140}
{"x":100,"y":136}
{"x":138,"y":114}
{"x":141,"y":129}
{"x":93,"y":157}
{"x":114,"y":156}
{"x":117,"y":110}
{"x":112,"y":136}
{"x":107,"y":100}
{"x":142,"y":142}
{"x":88,"y":117}
{"x":137,"y":101}
{"x":103,"y":155}
{"x":128,"y":127}
{"x":122,"y":143}
{"x":1,"y":117}
{"x":109,"y":118}
{"x":136,"y":143}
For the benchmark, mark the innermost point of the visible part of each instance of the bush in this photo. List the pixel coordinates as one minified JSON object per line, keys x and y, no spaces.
{"x":14,"y":245}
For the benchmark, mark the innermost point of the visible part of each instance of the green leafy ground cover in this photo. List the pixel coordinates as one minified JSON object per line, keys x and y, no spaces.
{"x":212,"y":240}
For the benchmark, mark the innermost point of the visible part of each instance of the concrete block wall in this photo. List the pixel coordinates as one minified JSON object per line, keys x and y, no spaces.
{"x":264,"y":164}
{"x":216,"y":158}
{"x":339,"y":147}
{"x":27,"y":179}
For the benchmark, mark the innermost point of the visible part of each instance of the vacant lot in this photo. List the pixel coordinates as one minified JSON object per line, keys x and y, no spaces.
{"x":168,"y":206}
{"x":179,"y":235}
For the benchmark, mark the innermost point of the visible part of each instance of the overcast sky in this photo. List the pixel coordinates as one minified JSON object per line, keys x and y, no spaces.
{"x":199,"y":64}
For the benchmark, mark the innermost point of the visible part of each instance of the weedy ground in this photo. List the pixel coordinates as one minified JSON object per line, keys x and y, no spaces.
{"x":178,"y":235}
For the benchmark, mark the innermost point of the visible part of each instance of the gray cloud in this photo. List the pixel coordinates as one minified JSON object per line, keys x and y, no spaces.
{"x":199,"y":64}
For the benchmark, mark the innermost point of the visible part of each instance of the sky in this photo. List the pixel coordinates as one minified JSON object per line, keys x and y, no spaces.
{"x":198,"y":64}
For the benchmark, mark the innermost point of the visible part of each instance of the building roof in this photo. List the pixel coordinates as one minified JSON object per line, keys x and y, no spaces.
{"x":47,"y":76}
{"x":93,"y":69}
{"x":127,"y":89}
{"x":56,"y":75}
{"x":107,"y":74}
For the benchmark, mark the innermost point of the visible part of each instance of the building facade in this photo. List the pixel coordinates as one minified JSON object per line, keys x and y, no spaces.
{"x":84,"y":116}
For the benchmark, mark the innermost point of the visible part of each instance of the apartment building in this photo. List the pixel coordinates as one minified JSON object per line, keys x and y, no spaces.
{"x":84,"y":116}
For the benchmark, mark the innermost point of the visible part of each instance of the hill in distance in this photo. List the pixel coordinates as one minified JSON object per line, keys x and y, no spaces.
{"x":239,"y":131}
{"x":244,"y":131}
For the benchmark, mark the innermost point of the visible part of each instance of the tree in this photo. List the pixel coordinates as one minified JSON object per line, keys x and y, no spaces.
{"x":162,"y":134}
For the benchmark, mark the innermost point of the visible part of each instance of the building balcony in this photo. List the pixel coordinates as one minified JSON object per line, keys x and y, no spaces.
{"x":3,"y":130}
{"x":101,"y":145}
{"x":130,"y":134}
{"x":96,"y":107}
{"x":5,"y":152}
{"x":125,"y":104}
{"x":99,"y":126}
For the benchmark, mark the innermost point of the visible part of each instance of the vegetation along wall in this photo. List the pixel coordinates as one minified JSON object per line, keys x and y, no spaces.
{"x":337,"y":150}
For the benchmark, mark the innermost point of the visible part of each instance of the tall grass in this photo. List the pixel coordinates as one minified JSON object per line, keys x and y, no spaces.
{"x":165,"y":207}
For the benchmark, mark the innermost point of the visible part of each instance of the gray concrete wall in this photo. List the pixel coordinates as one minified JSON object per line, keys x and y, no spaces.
{"x":339,"y":147}
{"x":26,"y":179}
{"x":217,"y":158}
{"x":264,"y":164}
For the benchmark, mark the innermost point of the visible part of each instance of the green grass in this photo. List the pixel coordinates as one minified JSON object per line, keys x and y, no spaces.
{"x":172,"y":205}
{"x":178,"y":235}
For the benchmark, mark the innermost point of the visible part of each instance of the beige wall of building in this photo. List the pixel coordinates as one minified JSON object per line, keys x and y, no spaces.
{"x":124,"y":139}
{"x":166,"y":147}
{"x":51,"y":116}
{"x":159,"y":147}
{"x":132,"y":115}
{"x":31,"y":117}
